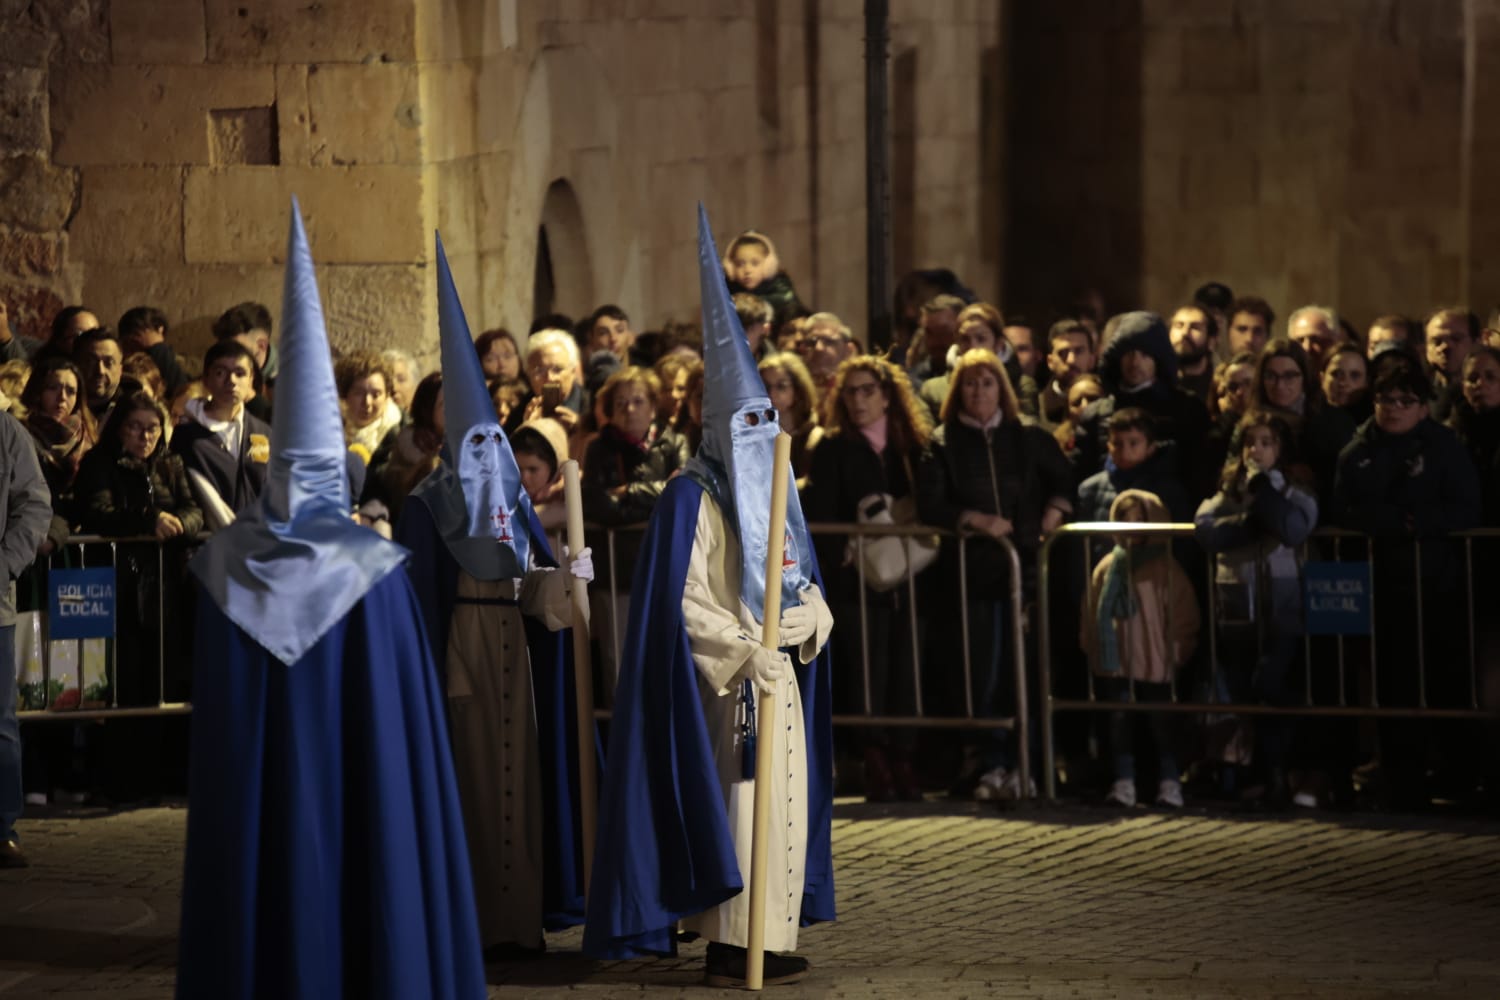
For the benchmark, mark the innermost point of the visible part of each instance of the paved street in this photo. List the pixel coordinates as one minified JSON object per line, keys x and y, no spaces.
{"x":939,"y":899}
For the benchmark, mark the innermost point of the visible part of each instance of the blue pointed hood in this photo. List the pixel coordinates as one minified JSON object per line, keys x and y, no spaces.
{"x":292,"y":565}
{"x":475,"y":496}
{"x":735,"y":460}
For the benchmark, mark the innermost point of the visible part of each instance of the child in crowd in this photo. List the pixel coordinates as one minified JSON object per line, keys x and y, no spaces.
{"x":1254,"y":524}
{"x":541,"y":447}
{"x":1136,"y":461}
{"x":1085,"y":389}
{"x":751,"y":265}
{"x":1140,"y":625}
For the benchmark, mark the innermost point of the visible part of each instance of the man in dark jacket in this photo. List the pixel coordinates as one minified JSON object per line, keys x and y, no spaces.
{"x":1139,"y":369}
{"x":143,"y":330}
{"x":1407,"y":481}
{"x":223,"y":447}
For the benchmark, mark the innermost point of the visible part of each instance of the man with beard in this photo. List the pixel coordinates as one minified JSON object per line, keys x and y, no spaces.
{"x":1194,"y":333}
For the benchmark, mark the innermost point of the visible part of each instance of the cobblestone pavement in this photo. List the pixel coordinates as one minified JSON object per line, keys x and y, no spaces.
{"x":938,"y":899}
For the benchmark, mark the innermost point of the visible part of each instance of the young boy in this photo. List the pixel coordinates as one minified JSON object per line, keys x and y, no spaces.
{"x":1136,"y":461}
{"x":223,"y":447}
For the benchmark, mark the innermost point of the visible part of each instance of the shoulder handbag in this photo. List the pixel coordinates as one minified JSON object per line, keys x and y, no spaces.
{"x":888,"y":560}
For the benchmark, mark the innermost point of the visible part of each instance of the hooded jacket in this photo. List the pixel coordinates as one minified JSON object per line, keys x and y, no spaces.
{"x":1179,"y":416}
{"x":776,"y":289}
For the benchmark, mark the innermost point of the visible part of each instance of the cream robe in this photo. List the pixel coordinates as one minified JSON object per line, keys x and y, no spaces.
{"x":722,"y":643}
{"x":492,"y":723}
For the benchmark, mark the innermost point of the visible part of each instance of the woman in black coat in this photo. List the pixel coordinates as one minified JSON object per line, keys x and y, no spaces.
{"x":993,"y":476}
{"x":871,"y":448}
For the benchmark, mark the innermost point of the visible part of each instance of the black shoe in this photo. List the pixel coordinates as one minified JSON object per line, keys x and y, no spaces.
{"x":509,"y":951}
{"x":726,"y":967}
{"x":11,"y":856}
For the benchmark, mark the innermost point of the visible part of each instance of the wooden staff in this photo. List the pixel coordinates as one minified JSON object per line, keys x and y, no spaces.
{"x":765,"y":718}
{"x":583,"y":673}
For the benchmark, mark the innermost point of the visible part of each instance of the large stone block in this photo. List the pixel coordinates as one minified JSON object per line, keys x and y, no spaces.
{"x":148,"y":114}
{"x":367,"y":215}
{"x":372,"y":308}
{"x":30,"y":306}
{"x":191,"y":296}
{"x":157,"y":31}
{"x":128,"y":215}
{"x":23,"y":111}
{"x":289,"y":31}
{"x":293,"y":117}
{"x":363,"y":114}
{"x":36,"y":195}
{"x":81,"y":28}
{"x":1221,"y":60}
{"x":23,"y":41}
{"x":27,"y":254}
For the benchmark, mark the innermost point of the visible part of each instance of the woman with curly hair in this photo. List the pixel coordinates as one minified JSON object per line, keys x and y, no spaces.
{"x":877,"y":430}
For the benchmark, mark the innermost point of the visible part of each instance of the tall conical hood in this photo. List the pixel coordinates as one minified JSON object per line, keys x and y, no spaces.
{"x":735,"y":460}
{"x":475,"y":497}
{"x":292,"y":565}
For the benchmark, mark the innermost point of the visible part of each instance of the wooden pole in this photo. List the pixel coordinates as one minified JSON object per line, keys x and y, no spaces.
{"x":765,"y":718}
{"x":583,"y":673}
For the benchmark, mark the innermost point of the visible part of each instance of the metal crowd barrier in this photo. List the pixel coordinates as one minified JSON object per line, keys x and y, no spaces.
{"x":87,"y":547}
{"x":1369,"y":705}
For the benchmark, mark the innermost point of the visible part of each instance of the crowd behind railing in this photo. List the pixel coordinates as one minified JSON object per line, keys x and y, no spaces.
{"x":942,"y":469}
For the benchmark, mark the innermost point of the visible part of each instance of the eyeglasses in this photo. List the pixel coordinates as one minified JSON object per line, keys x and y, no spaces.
{"x":1397,"y":402}
{"x":779,"y":387}
{"x":1281,"y":377}
{"x":825,"y":343}
{"x":143,"y":430}
{"x":857,"y":390}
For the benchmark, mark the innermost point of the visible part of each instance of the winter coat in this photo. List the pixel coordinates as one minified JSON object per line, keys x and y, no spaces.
{"x":1159,"y":474}
{"x":1158,"y":639}
{"x":845,"y":470}
{"x":120,"y":496}
{"x":1178,"y":416}
{"x":1013,"y":470}
{"x":613,"y":460}
{"x":776,"y":291}
{"x":1253,"y":525}
{"x":1480,"y":434}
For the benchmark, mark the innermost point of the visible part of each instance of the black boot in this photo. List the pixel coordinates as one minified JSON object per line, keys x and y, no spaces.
{"x":726,"y":967}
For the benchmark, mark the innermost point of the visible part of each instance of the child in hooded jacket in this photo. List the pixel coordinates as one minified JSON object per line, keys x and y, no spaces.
{"x":751,"y":265}
{"x":1253,"y":525}
{"x":1140,"y":625}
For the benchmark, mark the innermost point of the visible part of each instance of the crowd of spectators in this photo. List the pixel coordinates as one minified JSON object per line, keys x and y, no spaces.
{"x":994,"y":425}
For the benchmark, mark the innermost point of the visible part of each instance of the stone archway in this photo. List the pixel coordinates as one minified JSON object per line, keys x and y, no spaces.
{"x":563,"y":268}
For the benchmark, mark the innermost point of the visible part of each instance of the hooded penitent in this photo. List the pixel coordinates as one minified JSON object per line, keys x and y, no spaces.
{"x":736,"y":459}
{"x":475,"y":496}
{"x":292,"y":565}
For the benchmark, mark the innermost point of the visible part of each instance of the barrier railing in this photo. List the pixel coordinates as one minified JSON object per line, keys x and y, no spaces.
{"x":1369,"y":702}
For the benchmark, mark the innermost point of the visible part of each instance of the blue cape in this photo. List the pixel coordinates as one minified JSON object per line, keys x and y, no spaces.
{"x":325,"y":850}
{"x":434,"y":576}
{"x":664,"y":849}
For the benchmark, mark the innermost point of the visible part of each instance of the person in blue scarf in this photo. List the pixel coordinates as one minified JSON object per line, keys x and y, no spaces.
{"x":676,"y":815}
{"x":325,"y":849}
{"x":495,"y":610}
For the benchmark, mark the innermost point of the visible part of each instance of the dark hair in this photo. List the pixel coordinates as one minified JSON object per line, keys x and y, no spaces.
{"x":63,"y":319}
{"x":132,"y":402}
{"x":228,"y":348}
{"x":551,"y":321}
{"x":140,"y":367}
{"x":140,"y":319}
{"x":1468,"y":316}
{"x":424,"y":402}
{"x":31,"y":395}
{"x":486,"y":340}
{"x":1286,"y":442}
{"x":242,"y":318}
{"x":1399,"y":371}
{"x":1215,"y":296}
{"x":1416,"y":333}
{"x":1255,"y":307}
{"x":1285,"y":347}
{"x":97,"y":335}
{"x":606,"y":312}
{"x":1209,"y":323}
{"x":1133,"y":418}
{"x":1067,"y":328}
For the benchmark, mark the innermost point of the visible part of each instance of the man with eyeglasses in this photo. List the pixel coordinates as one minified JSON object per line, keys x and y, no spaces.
{"x":1407,"y":481}
{"x":826,"y":345}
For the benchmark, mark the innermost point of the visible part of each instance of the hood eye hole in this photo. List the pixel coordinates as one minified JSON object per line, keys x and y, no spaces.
{"x":477,"y":439}
{"x":770,"y":416}
{"x":752,"y":419}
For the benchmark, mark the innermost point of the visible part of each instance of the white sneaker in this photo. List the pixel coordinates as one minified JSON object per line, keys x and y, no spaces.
{"x":1122,"y":793}
{"x":1305,"y":800}
{"x":990,"y":785}
{"x":1010,"y":788}
{"x":1169,"y":794}
{"x":36,"y":798}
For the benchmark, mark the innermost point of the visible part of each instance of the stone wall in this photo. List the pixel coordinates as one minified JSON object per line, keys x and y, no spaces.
{"x":149,"y":148}
{"x":1305,"y":152}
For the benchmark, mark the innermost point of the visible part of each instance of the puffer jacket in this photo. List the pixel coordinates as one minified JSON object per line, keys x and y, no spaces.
{"x":25,"y":512}
{"x":1259,"y":524}
{"x":120,"y":496}
{"x":1013,"y":470}
{"x":613,"y":460}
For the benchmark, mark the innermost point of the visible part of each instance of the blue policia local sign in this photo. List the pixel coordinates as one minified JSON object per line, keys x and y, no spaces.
{"x":81,"y":603}
{"x":1337,"y":598}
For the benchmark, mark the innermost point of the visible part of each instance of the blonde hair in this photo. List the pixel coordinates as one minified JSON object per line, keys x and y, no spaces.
{"x":972,"y":361}
{"x":629,"y":375}
{"x":804,"y":393}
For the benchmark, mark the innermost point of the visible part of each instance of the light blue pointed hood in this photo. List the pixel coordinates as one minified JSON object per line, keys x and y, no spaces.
{"x":736,"y":459}
{"x":475,"y":495}
{"x":293,"y":564}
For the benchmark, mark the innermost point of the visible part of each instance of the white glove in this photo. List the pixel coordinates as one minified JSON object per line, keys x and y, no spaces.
{"x":798,"y":623}
{"x":765,"y":667}
{"x":582,"y":565}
